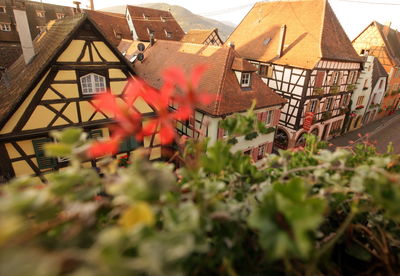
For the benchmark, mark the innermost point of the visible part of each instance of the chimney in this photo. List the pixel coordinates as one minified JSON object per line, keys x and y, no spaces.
{"x":231,"y":44}
{"x":386,"y":28}
{"x":24,"y":33}
{"x":92,"y":5}
{"x":281,"y":40}
{"x":78,"y":6}
{"x":151,"y":39}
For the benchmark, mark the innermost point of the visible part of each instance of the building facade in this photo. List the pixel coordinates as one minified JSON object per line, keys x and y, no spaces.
{"x":230,"y":78}
{"x":308,"y":60}
{"x":383,"y":42}
{"x":206,"y":37}
{"x":54,"y":88}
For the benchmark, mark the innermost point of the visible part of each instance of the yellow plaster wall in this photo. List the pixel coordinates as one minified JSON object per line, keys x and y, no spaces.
{"x":117,"y":87}
{"x":71,"y":113}
{"x":96,"y":57}
{"x":27,"y":146}
{"x":72,"y":52}
{"x":155,"y":153}
{"x":12,"y":152}
{"x":40,"y":118}
{"x":86,"y":57}
{"x":142,"y":106}
{"x":116,"y":73}
{"x":86,"y":110}
{"x":65,"y":75}
{"x":60,"y":122}
{"x":105,"y":52}
{"x":11,"y":123}
{"x":23,"y":168}
{"x":69,"y":90}
{"x":50,"y":95}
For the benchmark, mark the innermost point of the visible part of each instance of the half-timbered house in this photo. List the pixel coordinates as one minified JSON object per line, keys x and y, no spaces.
{"x":230,"y":78}
{"x":383,"y":42}
{"x":145,"y":23}
{"x":206,"y":37}
{"x":368,"y":94}
{"x":53,"y":89}
{"x":303,"y":53}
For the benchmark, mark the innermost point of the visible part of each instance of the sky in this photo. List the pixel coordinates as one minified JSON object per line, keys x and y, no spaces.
{"x":354,"y":15}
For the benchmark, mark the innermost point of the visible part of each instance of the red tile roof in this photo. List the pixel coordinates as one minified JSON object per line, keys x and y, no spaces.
{"x":114,"y":26}
{"x":240,"y":64}
{"x":129,"y":48}
{"x":391,"y":38}
{"x":219,"y":79}
{"x":157,"y":21}
{"x":313,"y":33}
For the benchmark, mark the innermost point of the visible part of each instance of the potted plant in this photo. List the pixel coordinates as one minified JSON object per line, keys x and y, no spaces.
{"x":334,"y":89}
{"x":350,"y":87}
{"x":318,"y":91}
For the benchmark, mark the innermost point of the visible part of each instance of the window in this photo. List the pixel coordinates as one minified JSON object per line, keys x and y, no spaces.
{"x":5,"y":27}
{"x":313,"y":105}
{"x":261,"y":152}
{"x":168,"y":34}
{"x":247,"y":152}
{"x":381,"y":84}
{"x":162,"y":19}
{"x":328,"y":105}
{"x":365,"y":84}
{"x":360,"y":100}
{"x":40,"y":13}
{"x":334,"y":78}
{"x":150,"y":31}
{"x":2,"y":9}
{"x":263,"y":70}
{"x":245,"y":80}
{"x":60,"y":15}
{"x":43,"y":161}
{"x":351,"y":77}
{"x":145,"y":17}
{"x":270,"y":115}
{"x":129,"y":144}
{"x":92,"y":84}
{"x":345,"y":100}
{"x":373,"y":99}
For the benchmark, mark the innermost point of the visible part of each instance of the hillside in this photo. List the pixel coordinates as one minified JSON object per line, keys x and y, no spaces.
{"x":186,"y":18}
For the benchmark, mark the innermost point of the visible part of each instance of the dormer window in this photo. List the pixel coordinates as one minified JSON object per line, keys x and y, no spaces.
{"x":2,"y":9}
{"x":5,"y":27}
{"x":168,"y":34}
{"x":145,"y":17}
{"x":60,"y":15}
{"x":40,"y":13}
{"x":162,"y":19}
{"x":245,"y":80}
{"x":150,"y":31}
{"x":92,"y":84}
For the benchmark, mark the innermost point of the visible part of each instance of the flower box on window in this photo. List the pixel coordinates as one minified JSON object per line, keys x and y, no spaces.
{"x":326,"y":115}
{"x":334,"y":89}
{"x":359,"y":107}
{"x":350,"y":87}
{"x":319,"y":91}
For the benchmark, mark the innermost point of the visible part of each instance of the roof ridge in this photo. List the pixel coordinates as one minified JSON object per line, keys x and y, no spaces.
{"x":222,"y":80}
{"x":323,"y":14}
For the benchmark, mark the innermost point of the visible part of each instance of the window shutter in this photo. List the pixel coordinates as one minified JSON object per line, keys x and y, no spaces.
{"x":220,"y":132}
{"x":264,"y":116}
{"x":269,"y":148}
{"x":259,"y":116}
{"x":43,"y":161}
{"x":254,"y":154}
{"x":277,"y":114}
{"x":319,"y":79}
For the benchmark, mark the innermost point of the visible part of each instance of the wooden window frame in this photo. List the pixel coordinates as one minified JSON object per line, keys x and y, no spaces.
{"x":360,"y":100}
{"x":316,"y":105}
{"x":243,"y":78}
{"x":329,"y":100}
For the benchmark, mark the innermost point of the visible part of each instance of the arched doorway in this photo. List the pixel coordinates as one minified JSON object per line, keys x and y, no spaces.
{"x":281,"y":139}
{"x":301,"y":140}
{"x":315,"y":131}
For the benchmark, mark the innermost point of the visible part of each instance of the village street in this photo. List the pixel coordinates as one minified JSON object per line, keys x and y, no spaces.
{"x":382,"y":131}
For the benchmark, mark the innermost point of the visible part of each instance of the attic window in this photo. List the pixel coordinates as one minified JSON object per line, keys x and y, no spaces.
{"x":40,"y":13}
{"x":92,"y":84}
{"x":168,"y":34}
{"x":60,"y":15}
{"x":265,"y":71}
{"x":2,"y":9}
{"x":150,"y":31}
{"x":245,"y":80}
{"x":266,"y":41}
{"x":5,"y":27}
{"x":162,"y":19}
{"x":145,"y":17}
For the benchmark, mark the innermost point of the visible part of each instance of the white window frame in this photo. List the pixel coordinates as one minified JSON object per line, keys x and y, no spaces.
{"x":93,"y":86}
{"x":5,"y":27}
{"x":269,"y":118}
{"x":150,"y":31}
{"x":163,"y":19}
{"x":145,"y":17}
{"x":313,"y":107}
{"x":245,"y":80}
{"x":168,"y":34}
{"x":60,"y":15}
{"x":40,"y":13}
